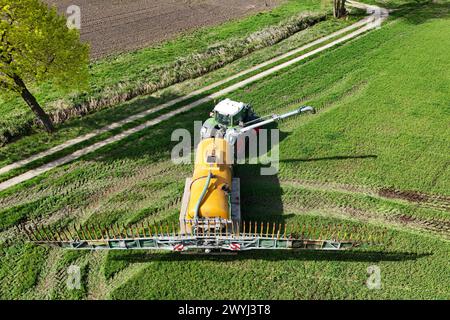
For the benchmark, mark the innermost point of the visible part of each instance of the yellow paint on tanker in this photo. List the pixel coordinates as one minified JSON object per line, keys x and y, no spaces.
{"x":212,"y":156}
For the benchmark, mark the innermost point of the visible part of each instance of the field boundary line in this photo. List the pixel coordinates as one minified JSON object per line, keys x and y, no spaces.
{"x":367,"y":23}
{"x":140,"y":115}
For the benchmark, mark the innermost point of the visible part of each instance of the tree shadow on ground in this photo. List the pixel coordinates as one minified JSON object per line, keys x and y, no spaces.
{"x":418,"y":12}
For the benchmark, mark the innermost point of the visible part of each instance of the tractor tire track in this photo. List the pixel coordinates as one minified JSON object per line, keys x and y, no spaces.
{"x":436,"y":227}
{"x":431,"y":201}
{"x":52,"y":277}
{"x":96,"y":200}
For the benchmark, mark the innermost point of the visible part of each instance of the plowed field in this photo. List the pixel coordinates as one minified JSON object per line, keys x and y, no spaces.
{"x":121,"y":25}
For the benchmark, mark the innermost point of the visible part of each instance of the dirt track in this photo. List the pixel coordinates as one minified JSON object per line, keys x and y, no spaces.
{"x":119,"y":25}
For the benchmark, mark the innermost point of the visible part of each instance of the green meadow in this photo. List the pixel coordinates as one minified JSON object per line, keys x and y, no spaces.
{"x":374,"y":159}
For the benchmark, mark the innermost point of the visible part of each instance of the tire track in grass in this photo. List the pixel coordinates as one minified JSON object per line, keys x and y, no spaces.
{"x":422,"y":199}
{"x":50,"y":278}
{"x":437,"y":228}
{"x":366,"y":23}
{"x":96,"y":201}
{"x":55,"y":276}
{"x":96,"y":282}
{"x":119,"y":279}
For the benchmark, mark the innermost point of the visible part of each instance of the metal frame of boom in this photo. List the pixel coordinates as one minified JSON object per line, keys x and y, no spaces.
{"x":213,"y":242}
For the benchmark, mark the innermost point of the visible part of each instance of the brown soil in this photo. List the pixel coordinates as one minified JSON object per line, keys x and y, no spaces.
{"x":411,"y":196}
{"x":112,"y":26}
{"x":434,"y":201}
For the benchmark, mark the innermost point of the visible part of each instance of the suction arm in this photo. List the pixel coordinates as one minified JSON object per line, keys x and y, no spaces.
{"x":277,"y":117}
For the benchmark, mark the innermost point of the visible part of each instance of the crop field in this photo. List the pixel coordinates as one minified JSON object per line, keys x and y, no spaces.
{"x":373,"y":160}
{"x":122,"y":25}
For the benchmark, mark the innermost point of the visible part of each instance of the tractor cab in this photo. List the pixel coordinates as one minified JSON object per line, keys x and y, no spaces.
{"x":225,"y":115}
{"x":230,"y":113}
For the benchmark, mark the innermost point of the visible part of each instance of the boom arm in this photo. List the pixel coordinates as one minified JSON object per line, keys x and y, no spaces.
{"x":233,"y":134}
{"x":277,"y":117}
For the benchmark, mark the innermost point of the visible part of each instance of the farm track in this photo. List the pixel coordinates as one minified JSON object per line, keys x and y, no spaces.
{"x":366,"y":25}
{"x":99,"y":202}
{"x":128,"y":25}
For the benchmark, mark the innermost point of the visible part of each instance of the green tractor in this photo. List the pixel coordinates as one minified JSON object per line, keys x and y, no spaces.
{"x":230,"y":119}
{"x":227,"y":114}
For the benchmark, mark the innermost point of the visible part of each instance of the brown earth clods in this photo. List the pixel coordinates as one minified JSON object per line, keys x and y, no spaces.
{"x":435,"y":201}
{"x":112,"y":26}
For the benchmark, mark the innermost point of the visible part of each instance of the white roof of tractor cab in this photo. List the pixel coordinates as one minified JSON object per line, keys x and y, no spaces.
{"x":229,"y":107}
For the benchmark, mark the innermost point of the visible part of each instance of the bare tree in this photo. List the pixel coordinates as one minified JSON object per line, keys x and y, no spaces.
{"x":339,"y":10}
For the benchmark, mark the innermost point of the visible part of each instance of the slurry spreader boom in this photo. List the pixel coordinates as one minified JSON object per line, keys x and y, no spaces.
{"x":210,"y":215}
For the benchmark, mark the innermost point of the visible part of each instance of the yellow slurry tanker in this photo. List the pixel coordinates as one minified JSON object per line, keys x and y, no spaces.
{"x":210,"y":186}
{"x":210,"y":215}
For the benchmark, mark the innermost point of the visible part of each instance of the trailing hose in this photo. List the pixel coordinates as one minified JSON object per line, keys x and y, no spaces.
{"x":202,"y":195}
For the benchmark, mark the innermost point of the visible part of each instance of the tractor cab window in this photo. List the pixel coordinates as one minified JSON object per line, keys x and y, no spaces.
{"x":222,"y":119}
{"x":238,"y":118}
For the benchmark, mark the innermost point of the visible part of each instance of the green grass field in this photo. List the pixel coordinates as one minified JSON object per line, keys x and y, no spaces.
{"x":375,"y":156}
